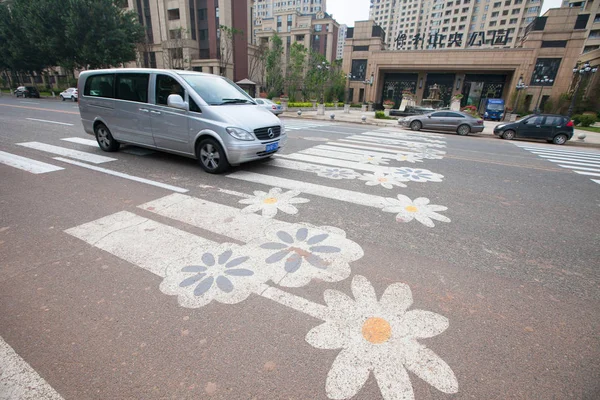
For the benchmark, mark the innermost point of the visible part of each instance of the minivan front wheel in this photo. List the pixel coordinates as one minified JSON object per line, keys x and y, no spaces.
{"x":105,"y":139}
{"x":560,"y":139}
{"x":211,"y":156}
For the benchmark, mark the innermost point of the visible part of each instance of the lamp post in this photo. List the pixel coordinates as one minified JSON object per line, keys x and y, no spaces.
{"x":349,"y":77}
{"x":323,"y":72}
{"x":541,"y":82}
{"x":520,"y":86}
{"x":368,"y":82}
{"x":584,"y":71}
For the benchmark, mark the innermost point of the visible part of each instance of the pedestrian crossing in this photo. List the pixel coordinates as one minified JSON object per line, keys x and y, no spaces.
{"x":298,"y":125}
{"x":585,"y":163}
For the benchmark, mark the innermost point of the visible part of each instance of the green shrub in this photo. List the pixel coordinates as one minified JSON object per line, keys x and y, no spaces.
{"x":576,"y":119}
{"x":381,"y":115}
{"x":587,"y":120}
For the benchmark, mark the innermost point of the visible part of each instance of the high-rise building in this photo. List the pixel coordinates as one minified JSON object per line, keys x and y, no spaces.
{"x":588,"y":18}
{"x":434,"y":24}
{"x":268,"y":8}
{"x":341,"y":41}
{"x":187,"y":34}
{"x":317,"y":32}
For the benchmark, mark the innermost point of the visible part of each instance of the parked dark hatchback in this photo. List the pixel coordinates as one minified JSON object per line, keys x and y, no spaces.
{"x":555,"y":129}
{"x":27,"y":91}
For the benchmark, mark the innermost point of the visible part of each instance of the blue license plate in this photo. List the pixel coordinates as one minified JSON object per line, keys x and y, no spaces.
{"x":272,"y":147}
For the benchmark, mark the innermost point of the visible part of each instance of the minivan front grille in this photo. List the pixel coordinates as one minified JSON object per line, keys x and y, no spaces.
{"x":263,"y":133}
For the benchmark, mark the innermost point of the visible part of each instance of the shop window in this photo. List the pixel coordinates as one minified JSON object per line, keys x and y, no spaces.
{"x":173,"y":14}
{"x":545,"y":68}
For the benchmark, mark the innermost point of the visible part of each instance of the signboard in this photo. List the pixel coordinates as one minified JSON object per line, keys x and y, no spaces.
{"x":436,"y":40}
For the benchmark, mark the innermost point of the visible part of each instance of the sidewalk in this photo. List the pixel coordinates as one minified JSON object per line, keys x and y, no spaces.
{"x":355,"y":116}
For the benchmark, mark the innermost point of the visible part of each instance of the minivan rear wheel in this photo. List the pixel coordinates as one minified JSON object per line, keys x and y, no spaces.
{"x":211,"y":156}
{"x":105,"y":139}
{"x":560,"y":139}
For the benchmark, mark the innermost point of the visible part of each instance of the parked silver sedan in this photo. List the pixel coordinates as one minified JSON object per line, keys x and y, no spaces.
{"x":455,"y":121}
{"x":269,"y":105}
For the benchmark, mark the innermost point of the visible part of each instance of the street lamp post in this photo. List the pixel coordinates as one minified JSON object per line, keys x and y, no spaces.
{"x":520,"y":86}
{"x":349,"y":77}
{"x":541,"y":82}
{"x":584,"y":71}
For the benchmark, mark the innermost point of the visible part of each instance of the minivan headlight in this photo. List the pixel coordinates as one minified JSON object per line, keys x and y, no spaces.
{"x":240,"y":134}
{"x":282,"y":129}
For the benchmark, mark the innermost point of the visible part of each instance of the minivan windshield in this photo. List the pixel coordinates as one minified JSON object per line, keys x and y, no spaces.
{"x":217,"y":90}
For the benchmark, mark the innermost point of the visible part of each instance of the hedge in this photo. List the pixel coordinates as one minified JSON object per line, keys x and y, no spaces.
{"x":584,"y":120}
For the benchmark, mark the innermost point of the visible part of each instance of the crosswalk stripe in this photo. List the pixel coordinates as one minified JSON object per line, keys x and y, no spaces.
{"x":217,"y":218}
{"x":344,"y":195}
{"x":381,"y":153}
{"x":161,"y":246}
{"x":405,"y":143}
{"x":586,"y":173}
{"x":87,"y":142}
{"x":567,"y":158}
{"x":332,"y":162}
{"x":579,"y":168}
{"x":400,"y":136}
{"x":561,"y":161}
{"x":62,"y":151}
{"x":293,"y":165}
{"x":338,"y":155}
{"x":349,"y":146}
{"x":380,"y":147}
{"x":560,"y":153}
{"x":426,"y":134}
{"x":125,"y":176}
{"x":26,"y":164}
{"x":596,"y":180}
{"x":18,"y":380}
{"x":51,"y":122}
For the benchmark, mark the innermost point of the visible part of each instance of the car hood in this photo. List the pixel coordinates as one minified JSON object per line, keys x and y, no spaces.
{"x":245,"y":116}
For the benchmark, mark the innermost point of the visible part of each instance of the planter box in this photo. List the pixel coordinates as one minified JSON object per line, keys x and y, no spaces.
{"x":321,"y":109}
{"x":346,"y":108}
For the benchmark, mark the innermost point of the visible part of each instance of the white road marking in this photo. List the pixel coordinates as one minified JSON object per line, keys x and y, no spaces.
{"x":148,"y":244}
{"x":28,"y":102}
{"x":339,"y":149}
{"x":50,"y":122}
{"x":553,"y":149}
{"x":226,"y":191}
{"x":294,"y":165}
{"x":596,"y":180}
{"x":378,"y":147}
{"x":333,"y":162}
{"x":562,"y":154}
{"x":27,"y":164}
{"x":579,"y":168}
{"x":397,"y":136}
{"x":585,"y":164}
{"x":78,"y":140}
{"x":19,"y":381}
{"x":586,"y":173}
{"x":341,"y":155}
{"x":62,"y":151}
{"x":311,"y":188}
{"x":569,"y":158}
{"x":387,"y":146}
{"x":125,"y":176}
{"x":297,"y":303}
{"x":403,"y":131}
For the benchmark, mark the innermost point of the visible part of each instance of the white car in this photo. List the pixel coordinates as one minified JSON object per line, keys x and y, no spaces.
{"x":69,"y":94}
{"x":269,"y":105}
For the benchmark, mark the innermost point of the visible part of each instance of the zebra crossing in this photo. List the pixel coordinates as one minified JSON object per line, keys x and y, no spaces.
{"x":291,"y":125}
{"x":585,"y":163}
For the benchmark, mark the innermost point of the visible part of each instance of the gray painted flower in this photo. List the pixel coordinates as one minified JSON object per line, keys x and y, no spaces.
{"x":337,"y":173}
{"x":295,"y":255}
{"x":416,"y":175}
{"x":225,"y":274}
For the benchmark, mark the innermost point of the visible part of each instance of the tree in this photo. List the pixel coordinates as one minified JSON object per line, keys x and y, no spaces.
{"x":295,"y":69}
{"x":226,"y":46}
{"x":257,"y":59}
{"x":316,"y":77}
{"x":173,"y":54}
{"x":274,"y":79}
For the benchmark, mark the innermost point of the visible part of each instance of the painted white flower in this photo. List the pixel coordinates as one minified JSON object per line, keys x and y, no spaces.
{"x":419,"y":209}
{"x":416,"y":175}
{"x":409,"y":157}
{"x":375,"y":160}
{"x":226,"y":274}
{"x":337,"y":173}
{"x":386,"y":180}
{"x":275,"y":200}
{"x":295,"y":254}
{"x":380,"y":337}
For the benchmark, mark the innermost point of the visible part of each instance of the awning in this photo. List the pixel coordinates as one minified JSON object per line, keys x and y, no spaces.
{"x":246,"y":82}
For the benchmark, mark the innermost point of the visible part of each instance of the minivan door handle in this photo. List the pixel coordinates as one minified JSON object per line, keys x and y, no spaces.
{"x":144,"y":110}
{"x":155,"y":112}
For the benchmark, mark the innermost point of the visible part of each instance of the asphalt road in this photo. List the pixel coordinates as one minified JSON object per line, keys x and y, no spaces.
{"x":187,"y":285}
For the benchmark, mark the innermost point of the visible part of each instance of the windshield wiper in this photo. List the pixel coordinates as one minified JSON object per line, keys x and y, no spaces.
{"x":236,"y":101}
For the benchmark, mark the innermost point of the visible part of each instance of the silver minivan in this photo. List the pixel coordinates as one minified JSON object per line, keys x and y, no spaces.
{"x":204,"y":116}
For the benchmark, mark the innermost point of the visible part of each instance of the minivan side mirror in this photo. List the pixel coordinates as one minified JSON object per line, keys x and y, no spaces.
{"x":175,"y":101}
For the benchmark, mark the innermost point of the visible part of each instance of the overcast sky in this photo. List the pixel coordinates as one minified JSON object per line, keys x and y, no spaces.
{"x":348,"y":11}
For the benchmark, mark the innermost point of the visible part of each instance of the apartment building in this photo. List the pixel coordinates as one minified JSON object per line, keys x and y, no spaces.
{"x":318,"y":32}
{"x":341,"y":41}
{"x":435,"y":24}
{"x":588,"y":18}
{"x":268,"y":8}
{"x":186,"y":34}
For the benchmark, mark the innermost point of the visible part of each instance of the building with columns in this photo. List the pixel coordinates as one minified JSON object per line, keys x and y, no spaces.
{"x":268,"y":8}
{"x":543,"y":60}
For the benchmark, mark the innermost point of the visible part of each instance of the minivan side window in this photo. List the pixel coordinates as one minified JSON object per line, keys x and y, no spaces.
{"x":100,"y":86}
{"x":132,"y":87}
{"x":165,"y":86}
{"x":193,"y":106}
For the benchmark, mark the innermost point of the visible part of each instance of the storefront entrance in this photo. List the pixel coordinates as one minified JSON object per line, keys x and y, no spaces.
{"x":395,"y":84}
{"x":479,"y":87}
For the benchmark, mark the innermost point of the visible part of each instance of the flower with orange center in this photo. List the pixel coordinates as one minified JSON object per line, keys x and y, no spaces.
{"x":275,"y":200}
{"x":419,"y":209}
{"x":380,"y":178}
{"x":380,"y":336}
